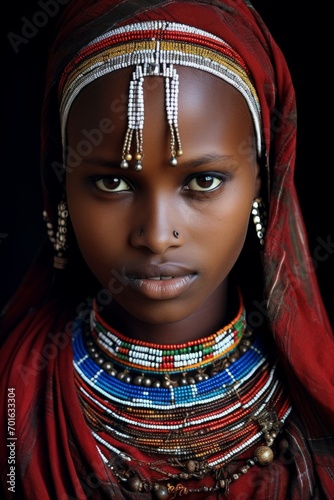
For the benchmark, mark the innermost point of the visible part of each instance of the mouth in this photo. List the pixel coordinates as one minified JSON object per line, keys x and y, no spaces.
{"x":161,"y":282}
{"x":154,"y":278}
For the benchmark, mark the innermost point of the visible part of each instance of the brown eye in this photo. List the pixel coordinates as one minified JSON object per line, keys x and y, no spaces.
{"x":204,"y":183}
{"x":112,"y":184}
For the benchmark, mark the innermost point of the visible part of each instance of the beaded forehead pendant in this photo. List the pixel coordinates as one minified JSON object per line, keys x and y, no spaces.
{"x":155,"y":48}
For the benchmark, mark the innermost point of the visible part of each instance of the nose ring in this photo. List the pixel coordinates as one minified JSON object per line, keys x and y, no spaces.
{"x":140,"y":232}
{"x":176,"y":234}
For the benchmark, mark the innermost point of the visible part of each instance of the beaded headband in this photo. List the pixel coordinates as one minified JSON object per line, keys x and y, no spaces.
{"x":153,"y":48}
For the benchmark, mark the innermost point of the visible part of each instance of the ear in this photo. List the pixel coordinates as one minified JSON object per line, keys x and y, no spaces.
{"x":258,"y":182}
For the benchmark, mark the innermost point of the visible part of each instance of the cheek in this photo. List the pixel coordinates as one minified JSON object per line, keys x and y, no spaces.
{"x":92,"y":235}
{"x":223,"y":233}
{"x":97,"y":231}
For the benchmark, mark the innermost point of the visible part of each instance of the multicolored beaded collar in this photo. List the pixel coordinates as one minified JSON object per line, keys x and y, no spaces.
{"x":193,"y":408}
{"x":166,"y":359}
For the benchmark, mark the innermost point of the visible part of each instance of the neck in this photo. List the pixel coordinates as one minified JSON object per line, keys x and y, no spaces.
{"x":218,"y":310}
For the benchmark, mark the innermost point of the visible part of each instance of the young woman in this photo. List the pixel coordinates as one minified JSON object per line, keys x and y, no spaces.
{"x":175,"y":344}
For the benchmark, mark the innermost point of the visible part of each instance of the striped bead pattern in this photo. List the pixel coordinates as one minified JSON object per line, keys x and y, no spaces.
{"x":212,"y":420}
{"x":166,"y":358}
{"x":136,"y":44}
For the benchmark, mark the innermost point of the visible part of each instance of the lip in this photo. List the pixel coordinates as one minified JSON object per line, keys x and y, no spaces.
{"x":161,"y":282}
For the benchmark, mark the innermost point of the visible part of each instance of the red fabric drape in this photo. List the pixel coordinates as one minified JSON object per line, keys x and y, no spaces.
{"x":55,"y":453}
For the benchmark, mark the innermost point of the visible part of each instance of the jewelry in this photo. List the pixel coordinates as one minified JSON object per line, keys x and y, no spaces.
{"x":198,"y":405}
{"x":141,"y":355}
{"x":259,"y":218}
{"x":59,"y":239}
{"x":153,"y":48}
{"x":140,"y":232}
{"x":176,"y":234}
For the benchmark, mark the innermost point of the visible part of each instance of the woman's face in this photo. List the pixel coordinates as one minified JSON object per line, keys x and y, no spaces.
{"x":125,"y":221}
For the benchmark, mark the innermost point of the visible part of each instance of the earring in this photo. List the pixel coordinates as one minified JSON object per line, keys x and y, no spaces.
{"x":59,"y":240}
{"x":259,"y":218}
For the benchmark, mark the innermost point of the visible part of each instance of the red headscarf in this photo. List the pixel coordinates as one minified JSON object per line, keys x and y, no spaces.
{"x":52,"y":453}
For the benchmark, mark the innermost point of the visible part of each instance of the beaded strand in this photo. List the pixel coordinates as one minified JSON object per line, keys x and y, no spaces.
{"x":199,"y":429}
{"x":153,"y":48}
{"x":167,"y":358}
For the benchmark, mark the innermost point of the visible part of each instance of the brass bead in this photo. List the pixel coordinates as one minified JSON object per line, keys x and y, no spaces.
{"x":190,"y":466}
{"x":138,"y":380}
{"x":138,"y":156}
{"x":134,"y":483}
{"x":232,"y":358}
{"x":264,"y":455}
{"x":247,"y":334}
{"x":283,"y":444}
{"x":124,"y":377}
{"x":128,"y":157}
{"x":109,"y":369}
{"x":160,"y":492}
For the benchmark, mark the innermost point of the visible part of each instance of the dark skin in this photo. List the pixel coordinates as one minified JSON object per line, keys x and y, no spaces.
{"x":124,"y":220}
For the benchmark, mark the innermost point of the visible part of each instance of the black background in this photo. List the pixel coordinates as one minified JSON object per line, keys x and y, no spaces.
{"x":21,"y":225}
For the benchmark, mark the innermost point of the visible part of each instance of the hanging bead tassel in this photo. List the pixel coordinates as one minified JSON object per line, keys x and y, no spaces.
{"x":172,"y":94}
{"x":155,"y":67}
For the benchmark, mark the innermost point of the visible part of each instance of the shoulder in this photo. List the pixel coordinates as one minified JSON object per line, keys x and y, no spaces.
{"x":35,"y":342}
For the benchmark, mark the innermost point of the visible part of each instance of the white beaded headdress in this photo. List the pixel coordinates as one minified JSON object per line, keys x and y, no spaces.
{"x":154,"y":48}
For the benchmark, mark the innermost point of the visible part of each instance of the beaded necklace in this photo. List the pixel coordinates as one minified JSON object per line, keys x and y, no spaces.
{"x":194,"y":408}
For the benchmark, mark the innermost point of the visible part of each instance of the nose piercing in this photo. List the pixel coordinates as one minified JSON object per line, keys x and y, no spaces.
{"x":140,"y":232}
{"x":176,"y":234}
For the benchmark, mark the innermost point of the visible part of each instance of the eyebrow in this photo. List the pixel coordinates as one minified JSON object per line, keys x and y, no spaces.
{"x":208,"y":159}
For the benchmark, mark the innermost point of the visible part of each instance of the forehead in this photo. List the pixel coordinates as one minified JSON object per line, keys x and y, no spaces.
{"x":209,"y":109}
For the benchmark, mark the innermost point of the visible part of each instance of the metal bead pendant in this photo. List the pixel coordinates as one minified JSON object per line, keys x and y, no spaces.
{"x":134,"y":483}
{"x":160,"y":491}
{"x":264,"y":455}
{"x":138,"y":166}
{"x":124,"y":164}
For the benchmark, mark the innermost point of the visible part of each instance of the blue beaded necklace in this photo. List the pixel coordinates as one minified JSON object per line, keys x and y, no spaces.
{"x":237,"y":400}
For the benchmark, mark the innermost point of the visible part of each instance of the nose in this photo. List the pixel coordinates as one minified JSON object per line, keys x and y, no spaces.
{"x":157,"y":225}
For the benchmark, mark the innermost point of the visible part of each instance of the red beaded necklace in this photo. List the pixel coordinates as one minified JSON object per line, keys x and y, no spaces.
{"x":191,"y":429}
